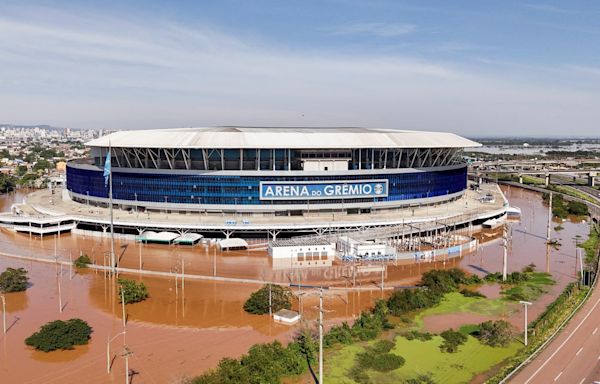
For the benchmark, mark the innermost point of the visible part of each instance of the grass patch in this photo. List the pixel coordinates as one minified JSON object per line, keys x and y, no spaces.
{"x":423,"y":357}
{"x":530,"y":289}
{"x":469,"y":329}
{"x":455,"y":302}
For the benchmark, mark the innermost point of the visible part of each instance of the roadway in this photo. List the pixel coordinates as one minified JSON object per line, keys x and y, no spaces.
{"x":573,"y":357}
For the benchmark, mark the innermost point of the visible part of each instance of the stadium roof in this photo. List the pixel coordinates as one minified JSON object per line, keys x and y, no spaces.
{"x":281,"y":137}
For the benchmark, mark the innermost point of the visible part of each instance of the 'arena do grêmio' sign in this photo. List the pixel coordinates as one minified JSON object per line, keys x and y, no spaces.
{"x":302,"y":190}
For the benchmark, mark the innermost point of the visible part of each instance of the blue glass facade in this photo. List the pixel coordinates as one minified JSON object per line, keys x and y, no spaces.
{"x":231,"y":190}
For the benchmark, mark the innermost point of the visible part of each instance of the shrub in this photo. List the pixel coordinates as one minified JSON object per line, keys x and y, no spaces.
{"x":267,"y":363}
{"x":469,"y":293}
{"x":421,"y":379}
{"x":577,"y":208}
{"x":529,"y":268}
{"x":60,"y":335}
{"x":341,"y":334}
{"x":472,"y":280}
{"x":452,"y":340}
{"x":495,"y":333}
{"x":306,"y":343}
{"x":359,"y":375}
{"x":386,"y":362}
{"x":132,"y":292}
{"x":82,"y":261}
{"x":443,"y":281}
{"x":258,"y":303}
{"x":383,"y":346}
{"x":422,"y":336}
{"x":406,"y":300}
{"x":378,"y":358}
{"x":13,"y":280}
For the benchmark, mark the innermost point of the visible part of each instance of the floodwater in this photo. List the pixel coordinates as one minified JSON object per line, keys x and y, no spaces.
{"x":186,"y":327}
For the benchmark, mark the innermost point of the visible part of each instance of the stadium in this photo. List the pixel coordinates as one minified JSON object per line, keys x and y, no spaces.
{"x":284,"y":170}
{"x":265,"y":182}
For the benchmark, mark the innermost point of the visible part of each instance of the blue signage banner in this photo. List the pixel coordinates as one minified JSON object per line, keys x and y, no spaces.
{"x":336,"y":189}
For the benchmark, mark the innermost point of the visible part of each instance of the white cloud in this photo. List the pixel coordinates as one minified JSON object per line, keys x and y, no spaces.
{"x":373,"y":29}
{"x":547,"y":8}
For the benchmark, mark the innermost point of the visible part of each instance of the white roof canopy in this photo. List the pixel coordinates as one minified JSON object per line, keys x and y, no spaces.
{"x":233,"y":242}
{"x":281,"y":137}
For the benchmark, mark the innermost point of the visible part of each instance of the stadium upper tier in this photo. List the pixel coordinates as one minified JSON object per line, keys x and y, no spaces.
{"x":274,"y":149}
{"x":285,"y":170}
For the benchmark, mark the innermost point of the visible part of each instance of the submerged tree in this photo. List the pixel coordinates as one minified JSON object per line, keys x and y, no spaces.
{"x":258,"y":303}
{"x":13,"y":280}
{"x":131,"y":291}
{"x":60,"y":334}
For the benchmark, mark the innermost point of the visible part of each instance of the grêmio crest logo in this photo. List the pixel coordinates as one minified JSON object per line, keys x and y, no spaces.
{"x":282,"y":190}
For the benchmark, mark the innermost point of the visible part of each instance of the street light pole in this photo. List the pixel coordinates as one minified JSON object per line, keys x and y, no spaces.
{"x":525,"y":304}
{"x":321,"y":336}
{"x":123,"y":306}
{"x":108,"y":341}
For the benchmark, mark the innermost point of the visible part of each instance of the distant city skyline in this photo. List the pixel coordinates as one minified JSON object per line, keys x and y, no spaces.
{"x":478,"y":69}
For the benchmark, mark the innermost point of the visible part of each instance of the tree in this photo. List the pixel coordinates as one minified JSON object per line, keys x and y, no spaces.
{"x":443,"y":281}
{"x":42,"y":165}
{"x":131,"y":291}
{"x":21,"y":170}
{"x":406,"y":300}
{"x":452,"y":340}
{"x":60,"y":334}
{"x":82,"y":261}
{"x":7,"y":183}
{"x":13,"y":280}
{"x":495,"y":333}
{"x":258,"y":303}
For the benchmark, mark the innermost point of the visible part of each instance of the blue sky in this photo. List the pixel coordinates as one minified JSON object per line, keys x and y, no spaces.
{"x":478,"y":68}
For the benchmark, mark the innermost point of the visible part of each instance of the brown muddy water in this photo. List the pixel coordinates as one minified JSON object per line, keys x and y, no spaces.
{"x":183,"y":331}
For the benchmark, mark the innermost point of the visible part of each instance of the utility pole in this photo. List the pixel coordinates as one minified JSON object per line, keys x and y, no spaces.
{"x":123,"y":307}
{"x":321,"y":336}
{"x":270,"y":300}
{"x":549,"y":218}
{"x":182,"y":275}
{"x":505,"y":253}
{"x":58,"y":279}
{"x":140,"y":255}
{"x":215,"y":262}
{"x":126,"y":354}
{"x":382,"y":274}
{"x":4,"y":313}
{"x":525,"y":304}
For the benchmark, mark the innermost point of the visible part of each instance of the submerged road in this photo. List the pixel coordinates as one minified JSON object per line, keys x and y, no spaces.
{"x":574,"y":356}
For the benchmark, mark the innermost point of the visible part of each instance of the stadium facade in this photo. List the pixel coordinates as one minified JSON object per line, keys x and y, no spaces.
{"x":284,"y":171}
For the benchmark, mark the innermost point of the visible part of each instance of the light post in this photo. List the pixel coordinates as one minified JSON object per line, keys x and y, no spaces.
{"x":108,"y":349}
{"x":321,"y":336}
{"x":525,"y":304}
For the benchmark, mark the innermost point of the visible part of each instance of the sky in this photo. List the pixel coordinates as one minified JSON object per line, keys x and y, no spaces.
{"x":475,"y":68}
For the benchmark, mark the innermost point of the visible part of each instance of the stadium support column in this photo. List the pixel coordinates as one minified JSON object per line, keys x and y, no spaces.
{"x":547,"y":180}
{"x":591,"y":182}
{"x":273,"y":234}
